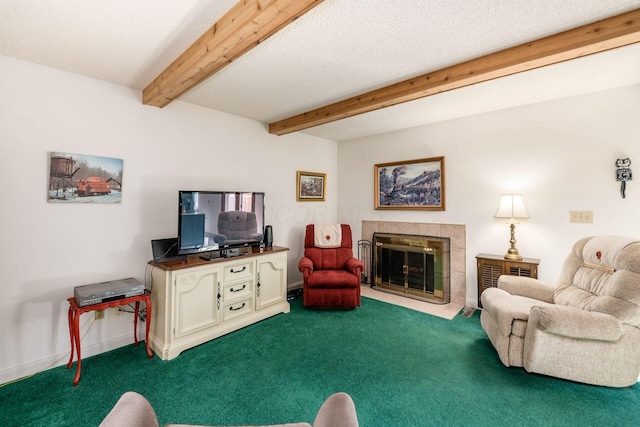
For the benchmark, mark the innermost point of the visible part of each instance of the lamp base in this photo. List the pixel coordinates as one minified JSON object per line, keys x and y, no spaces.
{"x":513,"y":255}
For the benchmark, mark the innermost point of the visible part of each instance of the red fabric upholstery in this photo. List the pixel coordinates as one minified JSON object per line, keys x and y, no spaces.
{"x":331,"y":276}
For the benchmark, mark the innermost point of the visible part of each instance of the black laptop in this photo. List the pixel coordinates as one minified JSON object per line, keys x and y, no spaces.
{"x":165,"y":250}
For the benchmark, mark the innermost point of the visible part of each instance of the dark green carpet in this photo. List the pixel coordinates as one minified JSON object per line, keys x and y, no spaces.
{"x":402,"y":368}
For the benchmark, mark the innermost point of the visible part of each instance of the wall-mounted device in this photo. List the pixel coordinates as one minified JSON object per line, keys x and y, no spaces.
{"x":623,"y":174}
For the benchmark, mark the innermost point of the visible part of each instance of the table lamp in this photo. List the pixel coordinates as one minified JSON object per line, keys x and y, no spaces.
{"x":512,"y":208}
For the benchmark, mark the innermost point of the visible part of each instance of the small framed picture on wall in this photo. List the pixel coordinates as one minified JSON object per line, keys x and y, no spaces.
{"x":311,"y":186}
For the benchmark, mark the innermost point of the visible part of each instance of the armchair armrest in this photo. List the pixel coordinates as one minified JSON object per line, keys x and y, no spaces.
{"x":527,"y":287}
{"x":256,"y":236}
{"x":355,"y":266}
{"x":219,"y":238}
{"x":337,"y":410}
{"x":132,"y":409}
{"x":305,"y":266}
{"x":575,"y":323}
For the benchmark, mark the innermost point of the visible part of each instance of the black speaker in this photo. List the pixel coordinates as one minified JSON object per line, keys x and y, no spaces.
{"x":268,"y":236}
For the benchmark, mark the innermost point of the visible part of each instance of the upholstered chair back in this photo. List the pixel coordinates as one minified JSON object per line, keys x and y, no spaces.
{"x":237,"y":225}
{"x":328,"y":258}
{"x":602,"y":274}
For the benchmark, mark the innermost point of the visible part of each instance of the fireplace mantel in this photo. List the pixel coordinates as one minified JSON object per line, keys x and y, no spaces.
{"x":455,"y":232}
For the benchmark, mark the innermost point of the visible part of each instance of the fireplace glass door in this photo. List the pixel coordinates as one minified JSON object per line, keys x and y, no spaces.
{"x":408,"y":269}
{"x":414,"y":266}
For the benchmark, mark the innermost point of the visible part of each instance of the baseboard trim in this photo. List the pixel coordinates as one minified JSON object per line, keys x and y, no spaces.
{"x":296,"y":285}
{"x":25,"y":370}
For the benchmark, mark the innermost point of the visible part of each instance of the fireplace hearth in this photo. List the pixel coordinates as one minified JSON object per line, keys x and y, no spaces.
{"x":414,"y":266}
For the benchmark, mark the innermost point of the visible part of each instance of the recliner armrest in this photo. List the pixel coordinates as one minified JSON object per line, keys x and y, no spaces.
{"x":575,"y":323}
{"x":355,"y":266}
{"x":305,"y":266}
{"x":219,"y":238}
{"x":527,"y":287}
{"x":337,"y":411}
{"x":132,"y":409}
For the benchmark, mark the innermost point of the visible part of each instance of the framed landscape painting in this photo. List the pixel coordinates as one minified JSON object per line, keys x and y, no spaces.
{"x":311,"y":186}
{"x":412,"y":184}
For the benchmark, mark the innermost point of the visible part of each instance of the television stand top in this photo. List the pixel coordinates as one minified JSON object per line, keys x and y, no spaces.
{"x":194,"y":260}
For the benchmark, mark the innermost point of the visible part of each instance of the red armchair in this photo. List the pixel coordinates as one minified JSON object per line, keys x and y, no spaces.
{"x":331,"y":276}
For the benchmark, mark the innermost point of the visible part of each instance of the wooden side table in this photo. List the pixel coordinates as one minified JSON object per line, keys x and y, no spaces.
{"x":74,"y":324}
{"x":490,"y":267}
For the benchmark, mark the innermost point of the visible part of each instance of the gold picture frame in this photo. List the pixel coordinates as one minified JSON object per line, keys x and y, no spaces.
{"x":410,"y":185}
{"x":311,"y":186}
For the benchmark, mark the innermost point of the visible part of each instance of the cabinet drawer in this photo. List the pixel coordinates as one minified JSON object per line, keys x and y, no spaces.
{"x":237,"y":308}
{"x":238,"y":290}
{"x":239,"y":271}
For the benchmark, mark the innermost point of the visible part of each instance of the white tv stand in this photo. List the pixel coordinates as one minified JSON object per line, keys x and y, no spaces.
{"x":197,"y":300}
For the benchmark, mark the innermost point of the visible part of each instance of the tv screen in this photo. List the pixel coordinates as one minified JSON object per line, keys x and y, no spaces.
{"x":213,"y":220}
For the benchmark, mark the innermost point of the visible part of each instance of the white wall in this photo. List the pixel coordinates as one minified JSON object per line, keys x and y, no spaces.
{"x":559,"y":155}
{"x":47,"y":249}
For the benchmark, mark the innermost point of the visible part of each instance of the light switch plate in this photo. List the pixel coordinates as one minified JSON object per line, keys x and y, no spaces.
{"x":582,"y":217}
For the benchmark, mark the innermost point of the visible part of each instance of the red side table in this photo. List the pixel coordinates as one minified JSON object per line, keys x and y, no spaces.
{"x":74,"y":324}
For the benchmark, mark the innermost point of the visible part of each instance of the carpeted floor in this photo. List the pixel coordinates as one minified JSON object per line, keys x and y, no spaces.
{"x":402,"y":368}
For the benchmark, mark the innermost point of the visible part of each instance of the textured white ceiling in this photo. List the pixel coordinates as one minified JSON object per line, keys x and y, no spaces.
{"x":339,"y":49}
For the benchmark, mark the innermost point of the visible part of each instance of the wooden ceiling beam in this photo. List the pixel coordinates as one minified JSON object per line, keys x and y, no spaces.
{"x":243,"y":27}
{"x":611,"y":33}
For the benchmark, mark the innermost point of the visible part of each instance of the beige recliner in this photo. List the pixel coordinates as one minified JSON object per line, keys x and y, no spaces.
{"x":584,"y":328}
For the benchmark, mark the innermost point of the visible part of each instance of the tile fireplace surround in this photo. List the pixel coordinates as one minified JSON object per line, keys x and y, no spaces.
{"x":457,"y":235}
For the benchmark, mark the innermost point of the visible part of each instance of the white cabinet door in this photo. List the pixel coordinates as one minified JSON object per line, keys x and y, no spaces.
{"x":271,"y":284}
{"x":197,"y":300}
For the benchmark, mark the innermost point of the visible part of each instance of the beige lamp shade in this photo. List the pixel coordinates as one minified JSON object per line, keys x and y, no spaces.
{"x":512,"y":208}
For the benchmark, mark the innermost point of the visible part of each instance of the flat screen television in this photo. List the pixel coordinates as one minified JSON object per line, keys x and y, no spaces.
{"x":217,"y":220}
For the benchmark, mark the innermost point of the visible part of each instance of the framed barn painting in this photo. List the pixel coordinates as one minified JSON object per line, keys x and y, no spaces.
{"x":311,"y":186}
{"x":81,"y":178}
{"x":412,"y":185}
